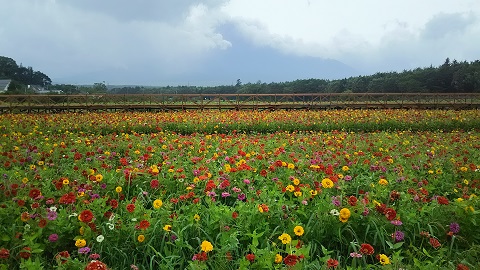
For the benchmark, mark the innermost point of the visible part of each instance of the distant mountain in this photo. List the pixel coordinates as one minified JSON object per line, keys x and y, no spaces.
{"x":243,"y":60}
{"x":251,"y":63}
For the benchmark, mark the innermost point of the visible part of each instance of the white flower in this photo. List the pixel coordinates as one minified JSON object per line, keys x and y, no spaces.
{"x":134,"y":219}
{"x":73,"y":215}
{"x":53,"y":209}
{"x":334,"y":212}
{"x":110,"y":226}
{"x":100,"y":238}
{"x":112,"y":217}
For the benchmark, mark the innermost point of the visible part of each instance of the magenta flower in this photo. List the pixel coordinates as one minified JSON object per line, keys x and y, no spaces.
{"x":53,"y":237}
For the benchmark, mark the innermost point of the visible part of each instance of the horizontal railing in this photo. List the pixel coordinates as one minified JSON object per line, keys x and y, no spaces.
{"x":313,"y":101}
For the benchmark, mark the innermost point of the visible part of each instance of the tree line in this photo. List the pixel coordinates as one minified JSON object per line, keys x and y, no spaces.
{"x":450,"y":77}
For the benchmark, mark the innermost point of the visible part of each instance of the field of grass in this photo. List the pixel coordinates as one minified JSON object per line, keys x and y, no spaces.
{"x":337,"y":189}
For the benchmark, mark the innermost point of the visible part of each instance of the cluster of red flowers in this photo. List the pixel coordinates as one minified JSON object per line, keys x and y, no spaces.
{"x":96,"y":265}
{"x":389,"y":213}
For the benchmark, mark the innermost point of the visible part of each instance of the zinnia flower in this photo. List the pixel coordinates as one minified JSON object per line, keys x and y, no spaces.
{"x":141,"y":238}
{"x":85,"y":216}
{"x":157,"y":203}
{"x":4,"y":253}
{"x":344,"y":215}
{"x":384,"y":259}
{"x":206,"y":246}
{"x":285,"y":238}
{"x":80,"y":243}
{"x":167,"y":228}
{"x":278,"y":258}
{"x":53,"y":237}
{"x":366,"y":249}
{"x":298,"y":230}
{"x":332,"y":263}
{"x":250,"y":257}
{"x":454,"y":227}
{"x":96,"y":265}
{"x":290,"y":260}
{"x":327,"y":183}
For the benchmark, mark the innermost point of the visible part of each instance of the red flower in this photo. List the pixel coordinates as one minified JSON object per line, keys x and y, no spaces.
{"x":290,"y":260}
{"x":352,"y":200}
{"x":442,"y":200}
{"x":390,"y":214}
{"x":114,"y":203}
{"x":250,"y":257}
{"x":234,"y":215}
{"x":62,"y":257}
{"x":154,"y":183}
{"x":68,"y":198}
{"x":332,"y":263}
{"x":434,"y":242}
{"x":366,"y":249}
{"x":25,"y":253}
{"x":130,"y":207}
{"x":462,"y":267}
{"x":201,"y":257}
{"x":144,"y":224}
{"x":86,"y":216}
{"x":34,"y":193}
{"x":42,"y":223}
{"x":4,"y":253}
{"x":96,"y":265}
{"x":381,"y":208}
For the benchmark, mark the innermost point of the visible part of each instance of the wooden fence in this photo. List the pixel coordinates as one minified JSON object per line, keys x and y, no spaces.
{"x":164,"y":102}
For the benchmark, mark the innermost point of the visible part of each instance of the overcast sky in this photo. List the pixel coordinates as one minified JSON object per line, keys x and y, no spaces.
{"x":159,"y":42}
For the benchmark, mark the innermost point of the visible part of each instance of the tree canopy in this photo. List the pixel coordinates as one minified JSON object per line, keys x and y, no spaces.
{"x":450,"y":77}
{"x":20,"y":75}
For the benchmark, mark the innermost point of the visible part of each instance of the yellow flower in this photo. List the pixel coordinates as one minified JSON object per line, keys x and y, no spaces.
{"x":40,"y":163}
{"x":327,"y":183}
{"x":167,"y":228}
{"x":206,"y":246}
{"x":345,"y":168}
{"x":291,"y":166}
{"x":313,"y":192}
{"x":298,"y":230}
{"x":99,"y":177}
{"x":80,"y":243}
{"x":278,"y":258}
{"x":285,"y":238}
{"x":32,"y":167}
{"x":196,"y":217}
{"x":465,"y":181}
{"x":384,"y":259}
{"x":344,"y":215}
{"x":65,"y":181}
{"x":25,"y":180}
{"x":141,"y":238}
{"x":297,"y":193}
{"x":118,"y":189}
{"x":383,"y":182}
{"x":296,"y":181}
{"x":290,"y":188}
{"x":157,"y":203}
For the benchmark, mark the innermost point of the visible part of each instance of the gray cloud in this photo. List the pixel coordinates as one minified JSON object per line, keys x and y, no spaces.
{"x":443,"y":25}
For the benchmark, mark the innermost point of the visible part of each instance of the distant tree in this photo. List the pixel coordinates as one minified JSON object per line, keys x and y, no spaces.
{"x":239,"y":83}
{"x":8,"y":67}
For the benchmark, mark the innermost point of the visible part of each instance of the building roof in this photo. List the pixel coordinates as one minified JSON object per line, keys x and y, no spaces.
{"x":4,"y":85}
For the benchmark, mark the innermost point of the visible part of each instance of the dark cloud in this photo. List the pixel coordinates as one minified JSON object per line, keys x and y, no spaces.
{"x":443,"y":25}
{"x":173,"y":11}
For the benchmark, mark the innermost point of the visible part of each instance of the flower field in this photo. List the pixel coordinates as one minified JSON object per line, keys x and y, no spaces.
{"x":339,"y":189}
